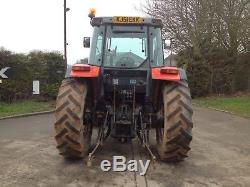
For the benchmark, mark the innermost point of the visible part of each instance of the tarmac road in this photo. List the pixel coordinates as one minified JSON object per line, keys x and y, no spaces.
{"x":220,"y":156}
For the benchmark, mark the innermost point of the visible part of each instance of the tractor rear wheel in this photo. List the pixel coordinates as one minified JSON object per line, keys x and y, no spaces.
{"x":174,"y":139}
{"x":72,"y":135}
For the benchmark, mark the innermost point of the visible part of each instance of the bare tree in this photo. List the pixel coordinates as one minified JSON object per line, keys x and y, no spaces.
{"x":232,"y":24}
{"x":204,"y":24}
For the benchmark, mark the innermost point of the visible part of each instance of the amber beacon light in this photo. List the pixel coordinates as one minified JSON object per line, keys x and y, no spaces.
{"x":92,"y":12}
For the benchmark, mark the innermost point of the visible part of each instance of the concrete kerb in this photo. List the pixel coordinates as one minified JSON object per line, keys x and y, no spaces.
{"x":27,"y":114}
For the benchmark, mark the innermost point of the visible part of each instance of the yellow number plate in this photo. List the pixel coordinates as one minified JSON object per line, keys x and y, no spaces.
{"x":127,"y":20}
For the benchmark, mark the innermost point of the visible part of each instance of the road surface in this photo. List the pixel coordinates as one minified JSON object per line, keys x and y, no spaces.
{"x":220,"y":156}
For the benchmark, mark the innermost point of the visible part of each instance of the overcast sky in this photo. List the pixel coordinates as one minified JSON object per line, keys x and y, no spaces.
{"x":27,"y":25}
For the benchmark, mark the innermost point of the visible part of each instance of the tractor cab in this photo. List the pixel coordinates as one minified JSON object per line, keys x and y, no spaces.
{"x":126,"y":49}
{"x":126,"y":42}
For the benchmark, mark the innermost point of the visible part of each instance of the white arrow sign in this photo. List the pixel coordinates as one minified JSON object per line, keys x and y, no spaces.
{"x":2,"y":71}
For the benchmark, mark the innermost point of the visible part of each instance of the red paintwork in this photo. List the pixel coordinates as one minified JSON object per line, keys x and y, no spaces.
{"x":157,"y":75}
{"x":93,"y":72}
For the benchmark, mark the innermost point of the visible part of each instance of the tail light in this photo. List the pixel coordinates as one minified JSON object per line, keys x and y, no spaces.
{"x":81,"y":67}
{"x":169,"y":70}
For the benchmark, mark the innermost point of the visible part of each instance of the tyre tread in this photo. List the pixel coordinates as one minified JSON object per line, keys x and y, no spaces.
{"x":178,"y":111}
{"x":68,"y":125}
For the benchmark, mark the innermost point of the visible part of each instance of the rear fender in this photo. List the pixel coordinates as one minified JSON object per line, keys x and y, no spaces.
{"x":84,"y":71}
{"x":159,"y":79}
{"x":157,"y":74}
{"x":90,"y":74}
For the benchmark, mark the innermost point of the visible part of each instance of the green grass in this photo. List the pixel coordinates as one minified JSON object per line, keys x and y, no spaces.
{"x":23,"y":107}
{"x":238,"y":105}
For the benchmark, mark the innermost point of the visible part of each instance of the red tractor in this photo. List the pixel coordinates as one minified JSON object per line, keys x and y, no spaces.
{"x":126,"y":91}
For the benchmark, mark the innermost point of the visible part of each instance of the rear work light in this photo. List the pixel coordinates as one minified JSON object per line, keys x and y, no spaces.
{"x":80,"y":67}
{"x":169,"y":70}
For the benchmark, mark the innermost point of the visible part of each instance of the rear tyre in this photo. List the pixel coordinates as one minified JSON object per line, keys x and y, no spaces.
{"x":174,"y":139}
{"x":72,"y":135}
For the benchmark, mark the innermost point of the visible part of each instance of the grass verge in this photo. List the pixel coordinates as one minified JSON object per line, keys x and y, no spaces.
{"x":23,"y":107}
{"x":238,"y":105}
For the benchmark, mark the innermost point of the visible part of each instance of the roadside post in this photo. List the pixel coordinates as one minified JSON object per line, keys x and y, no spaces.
{"x":36,"y":87}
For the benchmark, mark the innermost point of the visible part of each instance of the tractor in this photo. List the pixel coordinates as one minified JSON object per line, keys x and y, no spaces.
{"x":125,"y":90}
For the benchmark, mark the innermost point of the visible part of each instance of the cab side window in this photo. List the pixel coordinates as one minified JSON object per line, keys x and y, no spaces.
{"x":156,"y":47}
{"x":96,"y":47}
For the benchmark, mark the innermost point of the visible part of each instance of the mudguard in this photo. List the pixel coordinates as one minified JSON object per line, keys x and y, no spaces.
{"x":183,"y":74}
{"x":69,"y":68}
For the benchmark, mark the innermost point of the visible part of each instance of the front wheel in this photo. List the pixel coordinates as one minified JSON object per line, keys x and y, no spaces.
{"x":174,"y":138}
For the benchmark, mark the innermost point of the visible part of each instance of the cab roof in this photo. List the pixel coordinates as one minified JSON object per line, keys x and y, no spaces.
{"x":125,"y":20}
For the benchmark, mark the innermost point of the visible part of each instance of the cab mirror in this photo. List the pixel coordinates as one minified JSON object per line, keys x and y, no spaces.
{"x":167,"y":43}
{"x":86,"y":42}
